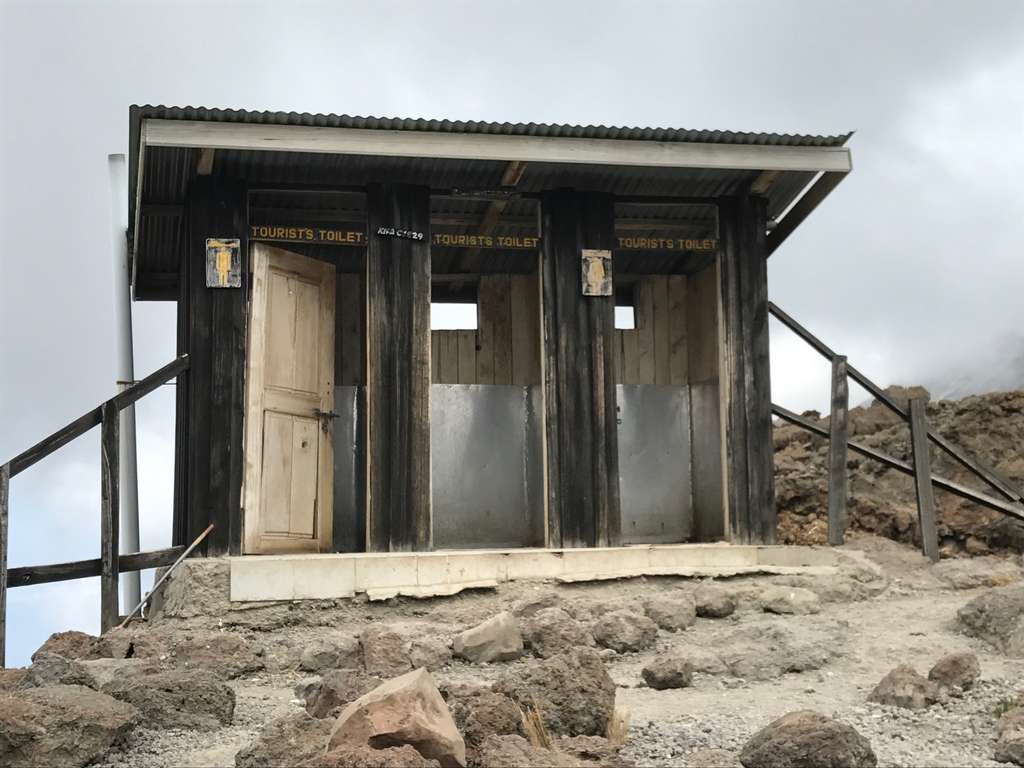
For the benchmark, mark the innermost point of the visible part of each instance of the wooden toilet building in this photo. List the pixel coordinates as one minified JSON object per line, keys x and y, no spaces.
{"x":320,"y":411}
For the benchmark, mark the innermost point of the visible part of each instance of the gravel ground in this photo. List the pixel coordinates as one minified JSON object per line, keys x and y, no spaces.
{"x":912,"y":621}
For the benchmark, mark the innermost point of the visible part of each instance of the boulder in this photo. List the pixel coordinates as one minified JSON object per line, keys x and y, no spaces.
{"x":341,"y":652}
{"x":1010,"y":737}
{"x":794,"y":601}
{"x":512,"y":751}
{"x":904,"y":687}
{"x":668,"y":672}
{"x":528,"y":607}
{"x":176,"y":699}
{"x":807,"y":739}
{"x":406,"y":710}
{"x":960,"y":670}
{"x":96,"y":673}
{"x":552,"y":631}
{"x":337,"y":688}
{"x":431,"y":653}
{"x":480,"y":712}
{"x":12,"y":679}
{"x":362,"y":756}
{"x":713,"y":602}
{"x":671,"y":612}
{"x":768,"y":649}
{"x":47,"y":669}
{"x":226,"y":655}
{"x":70,"y":645}
{"x":66,"y":725}
{"x":286,"y":741}
{"x":997,"y":617}
{"x":974,"y":572}
{"x":572,"y":692}
{"x":497,"y":639}
{"x":624,"y":631}
{"x":385,"y":652}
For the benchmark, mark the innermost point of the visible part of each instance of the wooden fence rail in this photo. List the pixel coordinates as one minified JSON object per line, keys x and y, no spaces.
{"x":110,"y":562}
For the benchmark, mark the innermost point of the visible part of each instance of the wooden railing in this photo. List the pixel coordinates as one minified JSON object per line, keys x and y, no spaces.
{"x":1007,"y":499}
{"x":110,"y":563}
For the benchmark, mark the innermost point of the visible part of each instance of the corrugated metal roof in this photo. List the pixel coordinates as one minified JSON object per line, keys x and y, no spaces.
{"x":162,"y":226}
{"x":555,"y":130}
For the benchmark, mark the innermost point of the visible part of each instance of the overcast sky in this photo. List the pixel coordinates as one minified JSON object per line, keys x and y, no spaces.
{"x":911,"y":267}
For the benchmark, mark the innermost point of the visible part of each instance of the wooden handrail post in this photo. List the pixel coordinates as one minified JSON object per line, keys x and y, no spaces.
{"x":5,"y":489}
{"x":109,"y":514}
{"x":923,"y":479}
{"x":838,"y":434}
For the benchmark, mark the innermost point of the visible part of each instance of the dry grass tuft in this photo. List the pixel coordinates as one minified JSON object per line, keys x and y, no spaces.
{"x":534,"y":728}
{"x":618,"y":726}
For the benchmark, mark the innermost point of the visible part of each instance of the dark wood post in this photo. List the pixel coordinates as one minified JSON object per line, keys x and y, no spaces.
{"x":110,"y":503}
{"x":398,"y":368}
{"x":581,"y":425}
{"x":923,"y":479}
{"x":837,"y":438}
{"x":745,"y":377}
{"x":211,"y":412}
{"x":5,"y":487}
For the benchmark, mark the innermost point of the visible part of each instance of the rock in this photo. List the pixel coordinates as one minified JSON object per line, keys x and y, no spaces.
{"x":406,"y":710}
{"x":528,"y":608}
{"x":288,"y":740}
{"x":552,"y":631}
{"x":998,"y":618}
{"x":790,"y":601}
{"x":362,"y":756}
{"x":904,"y":687}
{"x":668,"y":672}
{"x":974,"y":572}
{"x":96,"y":673}
{"x":342,"y":652}
{"x":176,"y":699}
{"x":624,"y":631}
{"x":956,"y":669}
{"x":807,"y":739}
{"x":592,"y":750}
{"x":572,"y":691}
{"x":66,"y":725}
{"x":12,"y":679}
{"x":226,"y":655}
{"x":431,"y":653}
{"x":70,"y":645}
{"x":198,"y":588}
{"x":671,"y":612}
{"x":713,"y":602}
{"x":337,"y":688}
{"x":480,"y":712}
{"x":516,"y":752}
{"x":47,"y":669}
{"x":766,"y":650}
{"x":385,"y":652}
{"x":497,"y":639}
{"x":706,"y":662}
{"x":1010,"y":737}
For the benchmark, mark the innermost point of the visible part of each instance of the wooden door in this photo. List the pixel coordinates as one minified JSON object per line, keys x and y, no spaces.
{"x":289,"y":399}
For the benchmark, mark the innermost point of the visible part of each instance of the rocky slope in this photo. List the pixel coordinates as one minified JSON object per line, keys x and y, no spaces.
{"x":990,"y":428}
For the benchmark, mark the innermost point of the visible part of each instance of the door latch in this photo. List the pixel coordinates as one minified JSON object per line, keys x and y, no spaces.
{"x":325,"y":418}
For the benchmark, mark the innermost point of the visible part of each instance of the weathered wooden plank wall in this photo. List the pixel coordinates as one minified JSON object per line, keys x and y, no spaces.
{"x":579,"y":379}
{"x":505,"y":348}
{"x":398,"y":370}
{"x":745,"y":371}
{"x":211,"y":412}
{"x":654,"y":351}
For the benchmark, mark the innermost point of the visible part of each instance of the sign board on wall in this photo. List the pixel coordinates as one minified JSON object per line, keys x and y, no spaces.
{"x":223,"y":262}
{"x":596,"y":273}
{"x":321,"y":235}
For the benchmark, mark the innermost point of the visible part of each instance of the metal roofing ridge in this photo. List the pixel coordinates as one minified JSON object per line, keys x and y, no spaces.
{"x":629,"y":133}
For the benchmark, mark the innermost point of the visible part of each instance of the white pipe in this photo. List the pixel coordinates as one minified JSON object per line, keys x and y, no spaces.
{"x":125,"y":361}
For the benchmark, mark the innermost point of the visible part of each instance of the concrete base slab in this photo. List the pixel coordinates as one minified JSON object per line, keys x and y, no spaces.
{"x":258,"y":578}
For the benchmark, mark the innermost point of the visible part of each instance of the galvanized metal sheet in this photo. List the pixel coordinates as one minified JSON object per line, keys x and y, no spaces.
{"x":346,"y":468}
{"x":706,"y":434}
{"x":486,"y":466}
{"x":654,"y":463}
